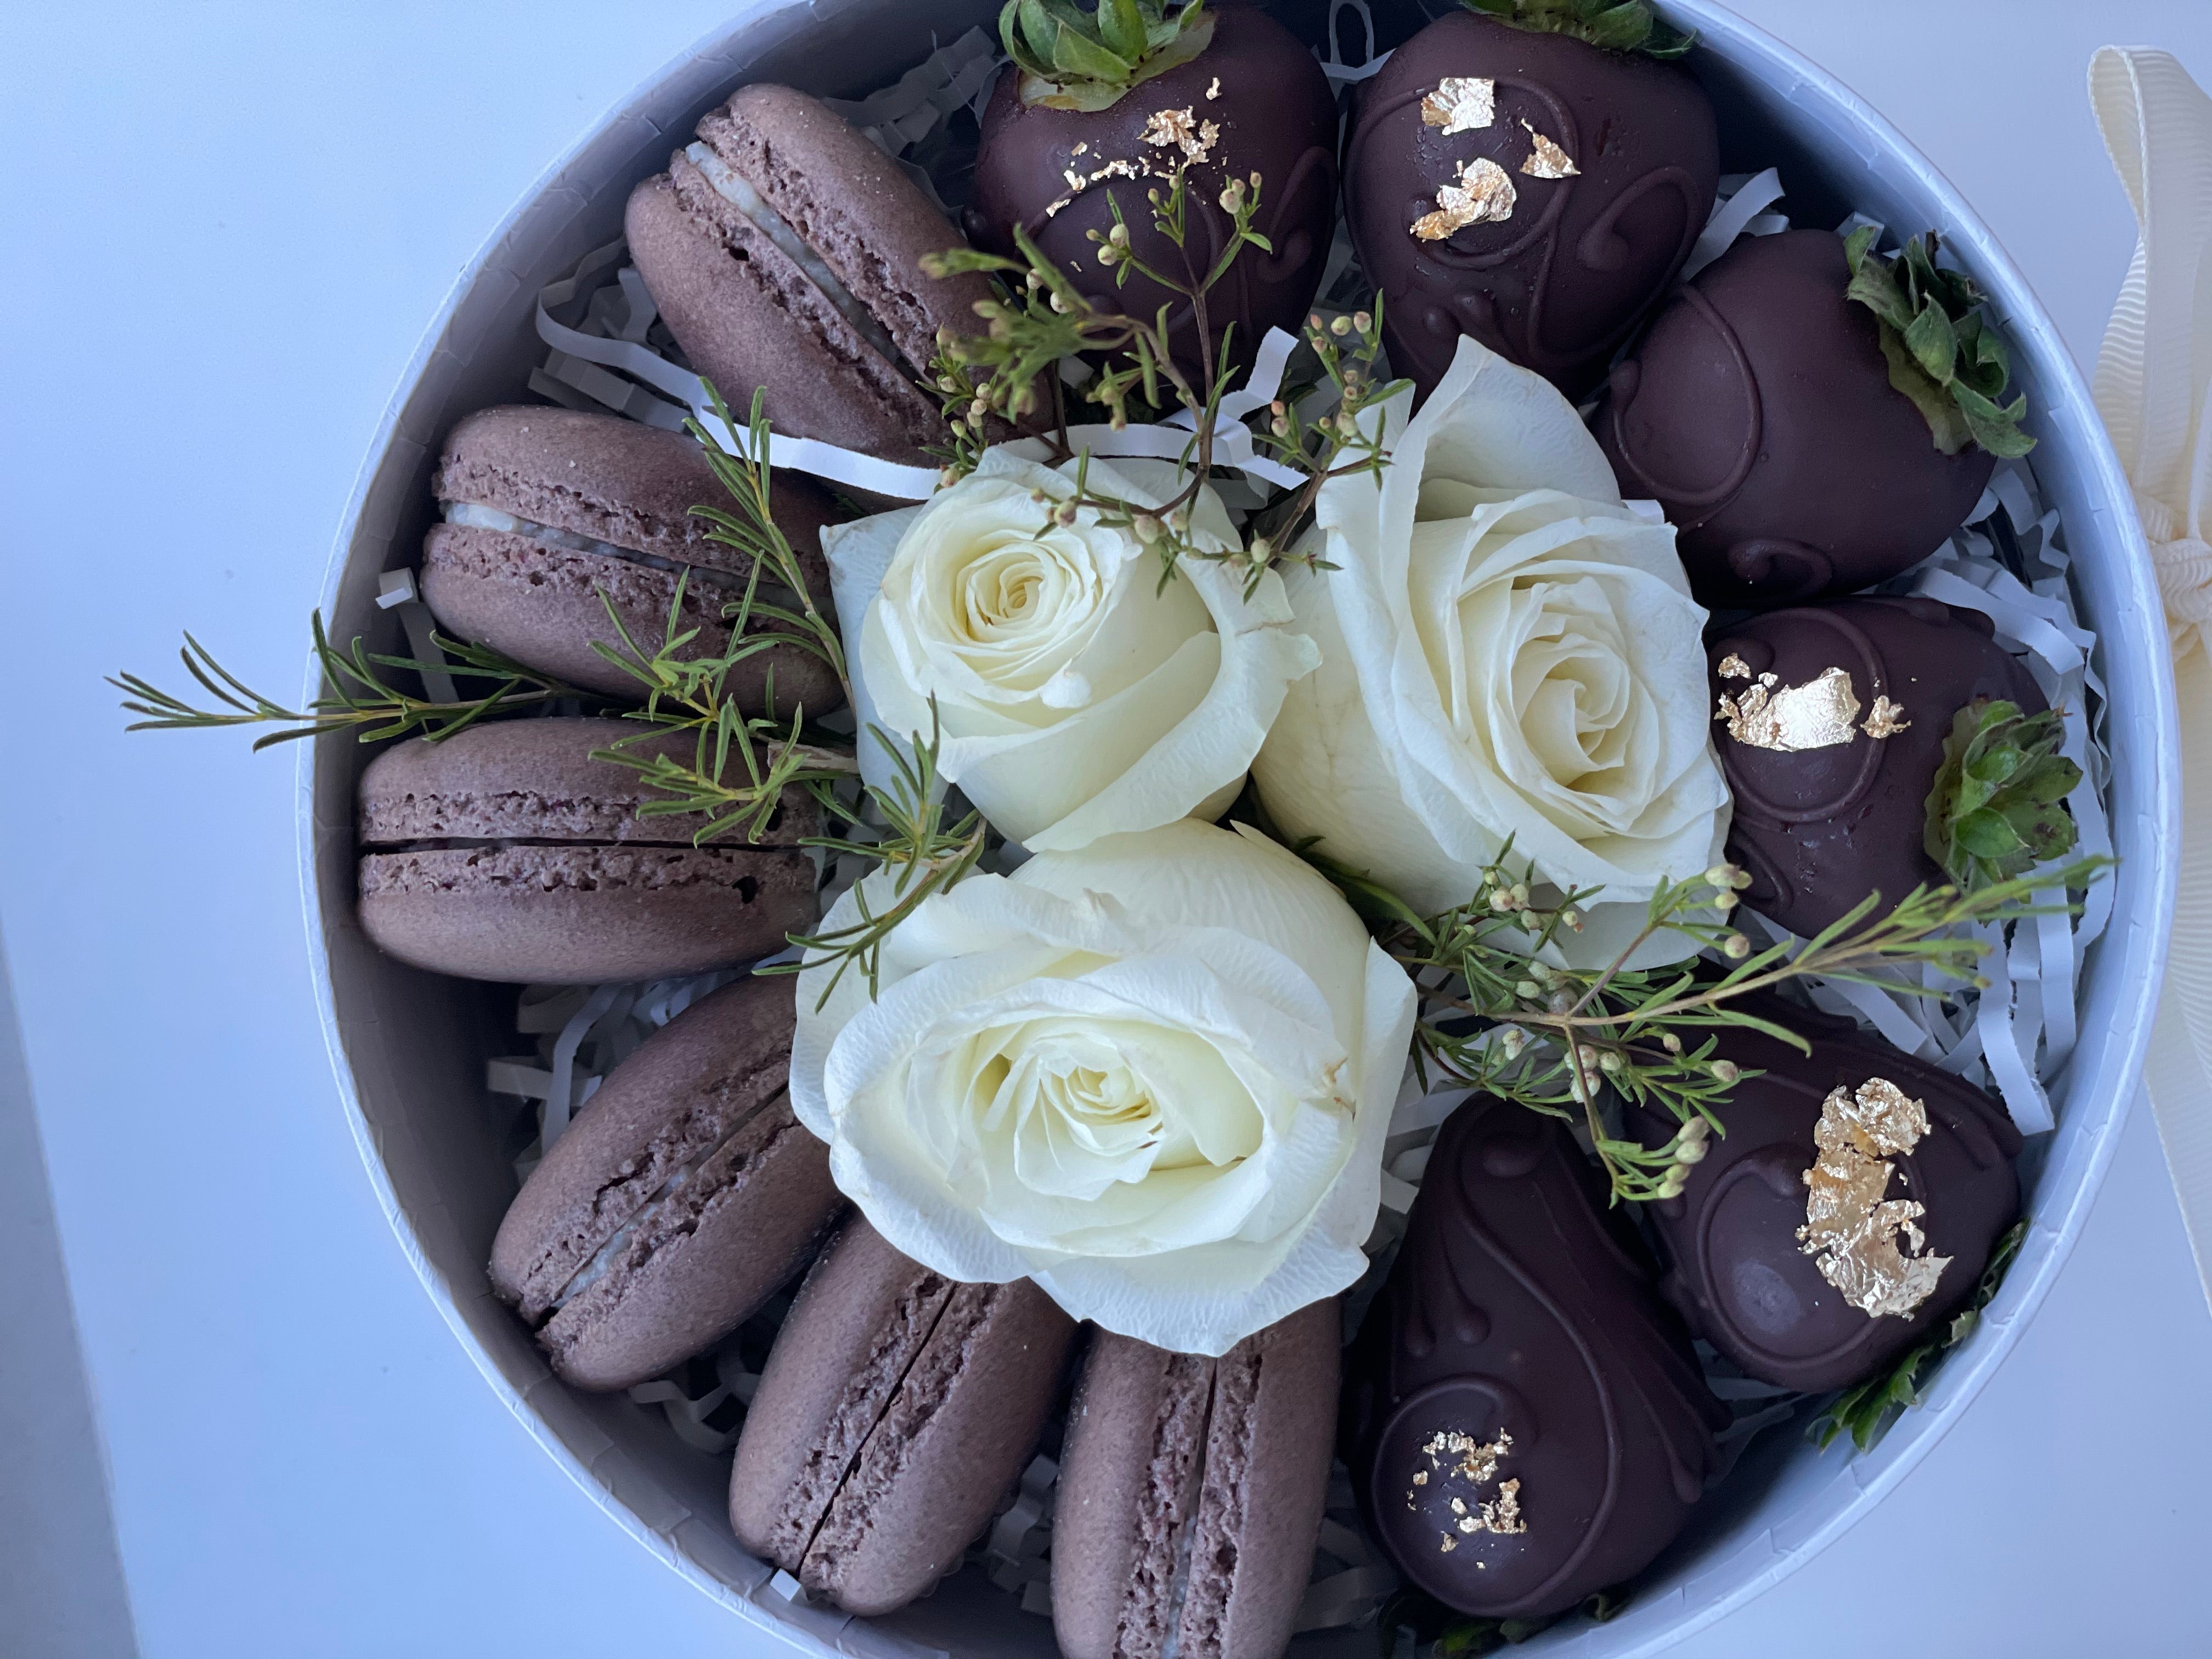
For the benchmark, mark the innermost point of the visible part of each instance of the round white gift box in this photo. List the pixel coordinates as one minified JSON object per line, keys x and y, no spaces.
{"x":410,"y":1047}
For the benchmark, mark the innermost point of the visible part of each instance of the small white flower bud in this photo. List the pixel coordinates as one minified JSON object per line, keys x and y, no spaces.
{"x":1339,"y":326}
{"x":1726,"y":1071}
{"x":1527,"y":990}
{"x":1735,"y":947}
{"x":1670,"y":1043}
{"x":1363,"y":321}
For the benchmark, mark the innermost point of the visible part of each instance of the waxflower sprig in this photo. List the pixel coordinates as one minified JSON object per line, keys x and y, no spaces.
{"x":1006,"y":376}
{"x":1497,"y":1016}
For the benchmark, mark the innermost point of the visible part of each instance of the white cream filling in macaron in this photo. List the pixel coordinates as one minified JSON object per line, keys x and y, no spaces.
{"x":477,"y":517}
{"x":733,"y":189}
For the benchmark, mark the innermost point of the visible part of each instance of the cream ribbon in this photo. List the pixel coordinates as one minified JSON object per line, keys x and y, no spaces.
{"x":2154,"y":381}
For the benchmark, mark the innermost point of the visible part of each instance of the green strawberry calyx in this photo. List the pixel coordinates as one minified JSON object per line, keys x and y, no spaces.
{"x":1072,"y":58}
{"x":1996,"y":810}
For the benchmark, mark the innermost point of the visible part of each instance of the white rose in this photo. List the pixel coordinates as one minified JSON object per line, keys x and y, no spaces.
{"x":1076,"y":695}
{"x":1507,"y":651}
{"x":1154,"y":1075}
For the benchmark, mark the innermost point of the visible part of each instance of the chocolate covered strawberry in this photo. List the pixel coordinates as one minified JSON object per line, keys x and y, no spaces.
{"x":1815,"y":419}
{"x":1533,"y":176}
{"x":1098,"y":111}
{"x":1874,"y":745}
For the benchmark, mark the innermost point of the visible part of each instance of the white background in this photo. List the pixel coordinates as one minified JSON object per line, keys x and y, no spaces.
{"x":231,"y":225}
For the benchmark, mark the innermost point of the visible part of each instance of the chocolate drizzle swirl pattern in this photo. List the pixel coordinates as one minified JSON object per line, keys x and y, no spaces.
{"x":1519,"y":1321}
{"x":1613,"y":160}
{"x":1758,"y":412}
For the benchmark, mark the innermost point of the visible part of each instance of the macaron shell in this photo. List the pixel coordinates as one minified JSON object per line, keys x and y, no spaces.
{"x":1267,"y":1456}
{"x":617,"y":481}
{"x":748,"y":317}
{"x":1235,"y":1450}
{"x":534,"y":779}
{"x":697,"y":1265}
{"x":1128,"y":1486}
{"x":896,"y":1408}
{"x":583,"y":915}
{"x":860,"y":1323}
{"x":853,"y":205}
{"x":542,"y":606}
{"x":687,"y":1087}
{"x":963,"y":1424}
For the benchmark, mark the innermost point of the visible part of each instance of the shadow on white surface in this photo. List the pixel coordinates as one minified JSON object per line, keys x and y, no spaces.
{"x":61,"y":1579}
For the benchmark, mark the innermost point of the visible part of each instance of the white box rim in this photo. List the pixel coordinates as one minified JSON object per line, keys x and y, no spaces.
{"x":2139,"y":683}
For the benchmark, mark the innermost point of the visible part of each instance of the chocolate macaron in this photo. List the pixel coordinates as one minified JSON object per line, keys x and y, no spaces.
{"x":1191,"y":1491}
{"x":506,"y":852}
{"x":681,"y":1197}
{"x":898,"y":1408}
{"x":547,"y":509}
{"x":784,"y":251}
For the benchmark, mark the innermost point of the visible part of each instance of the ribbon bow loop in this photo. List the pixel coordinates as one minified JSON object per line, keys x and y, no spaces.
{"x":2154,"y":385}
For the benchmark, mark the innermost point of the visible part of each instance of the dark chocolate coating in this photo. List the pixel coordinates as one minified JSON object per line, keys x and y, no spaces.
{"x":1278,"y":118}
{"x":1758,"y":412}
{"x":1559,"y":285}
{"x":1818,"y":829}
{"x":1735,"y":1269}
{"x":1518,"y":1302}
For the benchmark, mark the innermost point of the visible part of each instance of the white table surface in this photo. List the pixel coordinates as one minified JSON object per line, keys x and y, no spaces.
{"x":232,"y":224}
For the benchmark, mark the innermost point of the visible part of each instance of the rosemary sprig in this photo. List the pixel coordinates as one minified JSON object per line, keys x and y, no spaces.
{"x":752,"y":530}
{"x":921,"y":858}
{"x":1497,"y":1016}
{"x":359,"y":697}
{"x":685,"y":693}
{"x":1008,"y":374}
{"x":1866,"y":1411}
